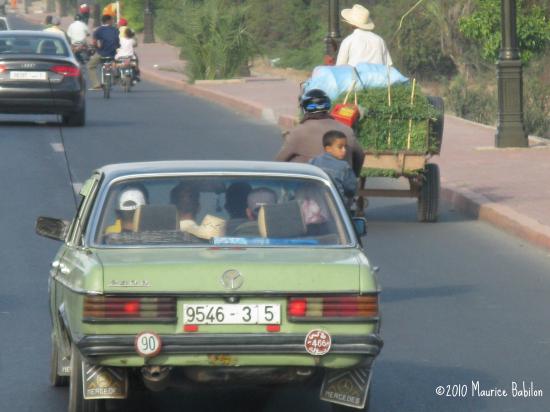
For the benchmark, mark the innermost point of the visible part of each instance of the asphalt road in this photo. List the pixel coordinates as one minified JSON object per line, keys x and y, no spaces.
{"x":463,"y":304}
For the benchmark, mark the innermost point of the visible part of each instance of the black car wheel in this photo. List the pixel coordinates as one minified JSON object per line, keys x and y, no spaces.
{"x":107,"y":87}
{"x":76,"y":119}
{"x":77,"y":403}
{"x":55,"y":378}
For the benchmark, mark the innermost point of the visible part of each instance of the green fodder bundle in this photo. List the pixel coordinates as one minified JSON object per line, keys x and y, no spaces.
{"x":391,"y":123}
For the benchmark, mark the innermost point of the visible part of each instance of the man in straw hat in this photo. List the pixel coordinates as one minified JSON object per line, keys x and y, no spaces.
{"x":362,"y":46}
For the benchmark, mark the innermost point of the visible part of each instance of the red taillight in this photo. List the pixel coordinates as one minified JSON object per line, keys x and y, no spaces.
{"x":139,"y":309}
{"x":297,"y":307}
{"x":67,"y":71}
{"x":131,"y":308}
{"x":335,"y":308}
{"x":3,"y":68}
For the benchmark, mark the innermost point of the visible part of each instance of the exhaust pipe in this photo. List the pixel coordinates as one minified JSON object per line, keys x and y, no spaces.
{"x":156,"y":378}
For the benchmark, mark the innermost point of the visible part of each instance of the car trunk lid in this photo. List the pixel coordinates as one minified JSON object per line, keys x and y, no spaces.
{"x":263,"y":270}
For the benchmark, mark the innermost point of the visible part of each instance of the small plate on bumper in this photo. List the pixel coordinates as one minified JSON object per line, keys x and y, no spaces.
{"x":348,"y":387}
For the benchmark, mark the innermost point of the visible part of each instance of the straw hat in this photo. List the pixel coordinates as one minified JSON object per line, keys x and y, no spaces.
{"x":211,"y":226}
{"x":358,"y":16}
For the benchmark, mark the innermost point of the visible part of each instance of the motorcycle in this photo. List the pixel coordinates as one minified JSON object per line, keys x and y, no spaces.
{"x":108,"y":73}
{"x":126,"y":70}
{"x":81,"y":51}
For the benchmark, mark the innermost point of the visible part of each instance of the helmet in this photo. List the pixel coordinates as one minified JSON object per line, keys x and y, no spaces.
{"x":314,"y":101}
{"x":84,"y":8}
{"x":122,"y":22}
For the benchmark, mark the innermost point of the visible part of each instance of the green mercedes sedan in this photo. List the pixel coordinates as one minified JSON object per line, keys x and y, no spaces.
{"x":211,"y":272}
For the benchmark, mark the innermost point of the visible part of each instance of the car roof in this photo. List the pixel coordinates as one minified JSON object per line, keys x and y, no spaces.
{"x":31,"y":33}
{"x":114,"y":171}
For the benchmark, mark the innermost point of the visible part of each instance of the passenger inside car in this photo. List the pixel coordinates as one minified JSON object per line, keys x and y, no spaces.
{"x":130,"y":198}
{"x":255,"y":200}
{"x":185,"y":196}
{"x":236,"y":203}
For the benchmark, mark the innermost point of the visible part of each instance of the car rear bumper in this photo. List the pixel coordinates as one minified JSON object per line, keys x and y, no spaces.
{"x":117,"y":345}
{"x":40,"y":101}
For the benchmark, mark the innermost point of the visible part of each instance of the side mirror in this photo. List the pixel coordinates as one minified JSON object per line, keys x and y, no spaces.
{"x":52,"y":228}
{"x":360,"y":225}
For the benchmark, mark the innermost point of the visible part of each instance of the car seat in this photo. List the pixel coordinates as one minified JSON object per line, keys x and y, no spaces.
{"x":282,"y":220}
{"x":156,"y":218}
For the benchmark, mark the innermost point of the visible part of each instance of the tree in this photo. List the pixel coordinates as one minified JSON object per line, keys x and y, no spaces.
{"x":483,"y":27}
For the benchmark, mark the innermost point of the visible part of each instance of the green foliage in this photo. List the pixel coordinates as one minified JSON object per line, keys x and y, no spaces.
{"x":290,"y":30}
{"x":386,"y":127}
{"x":374,"y":172}
{"x":417,"y":47}
{"x":537,"y":103}
{"x":133,"y":11}
{"x":212,"y":35}
{"x":483,"y":27}
{"x":471,"y":102}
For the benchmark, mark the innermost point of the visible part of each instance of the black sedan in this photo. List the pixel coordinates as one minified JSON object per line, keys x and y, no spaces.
{"x":40,"y":75}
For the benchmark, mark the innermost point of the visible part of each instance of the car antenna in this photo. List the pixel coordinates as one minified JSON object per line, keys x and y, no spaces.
{"x":62,"y":138}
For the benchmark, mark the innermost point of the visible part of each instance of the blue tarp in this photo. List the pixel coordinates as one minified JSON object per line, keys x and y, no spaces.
{"x":335,"y":80}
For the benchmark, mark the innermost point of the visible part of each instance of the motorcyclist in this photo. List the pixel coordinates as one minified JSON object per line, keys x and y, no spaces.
{"x":305,"y":141}
{"x":128,"y":43}
{"x":106,"y":41}
{"x":78,"y":34}
{"x":84,"y":12}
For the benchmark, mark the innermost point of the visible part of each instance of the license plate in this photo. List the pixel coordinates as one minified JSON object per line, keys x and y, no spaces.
{"x":28,"y":75}
{"x":222,"y":314}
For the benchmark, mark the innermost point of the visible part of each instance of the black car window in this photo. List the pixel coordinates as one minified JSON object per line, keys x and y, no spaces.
{"x":38,"y":45}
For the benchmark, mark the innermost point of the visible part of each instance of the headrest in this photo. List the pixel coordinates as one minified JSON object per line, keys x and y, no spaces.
{"x":283,"y":220}
{"x":156,"y":217}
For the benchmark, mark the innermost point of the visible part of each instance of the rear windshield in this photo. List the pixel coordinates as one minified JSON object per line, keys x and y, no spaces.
{"x":221,"y":211}
{"x":39,"y":45}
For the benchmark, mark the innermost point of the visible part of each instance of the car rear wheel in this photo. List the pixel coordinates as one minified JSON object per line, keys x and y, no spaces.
{"x":77,"y":403}
{"x":55,"y":378}
{"x":76,"y":119}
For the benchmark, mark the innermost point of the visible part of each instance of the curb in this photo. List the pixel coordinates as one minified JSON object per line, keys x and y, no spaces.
{"x":463,"y":200}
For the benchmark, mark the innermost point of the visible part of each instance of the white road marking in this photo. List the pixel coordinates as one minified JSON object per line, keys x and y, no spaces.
{"x":57,"y":147}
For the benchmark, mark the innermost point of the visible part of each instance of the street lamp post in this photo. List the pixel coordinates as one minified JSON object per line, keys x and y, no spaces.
{"x":332,"y":41}
{"x":148,"y":32}
{"x":510,"y":128}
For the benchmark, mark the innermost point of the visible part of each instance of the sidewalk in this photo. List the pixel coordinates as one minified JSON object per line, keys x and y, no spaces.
{"x":509,"y":188}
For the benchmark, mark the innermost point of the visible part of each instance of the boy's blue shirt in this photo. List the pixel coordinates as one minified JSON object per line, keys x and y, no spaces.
{"x":339,"y":171}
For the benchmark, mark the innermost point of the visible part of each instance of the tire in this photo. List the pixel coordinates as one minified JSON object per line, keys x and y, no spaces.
{"x":428,"y":199}
{"x":437,"y":126}
{"x":107,"y":87}
{"x":77,"y":403}
{"x":56,"y":379}
{"x":126,"y":84}
{"x":76,"y":119}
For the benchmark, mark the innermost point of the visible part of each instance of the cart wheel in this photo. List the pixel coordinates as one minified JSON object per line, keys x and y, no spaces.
{"x":428,"y":199}
{"x":437,"y":126}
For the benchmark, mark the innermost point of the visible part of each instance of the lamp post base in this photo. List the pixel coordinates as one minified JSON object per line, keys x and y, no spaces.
{"x":510,"y":127}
